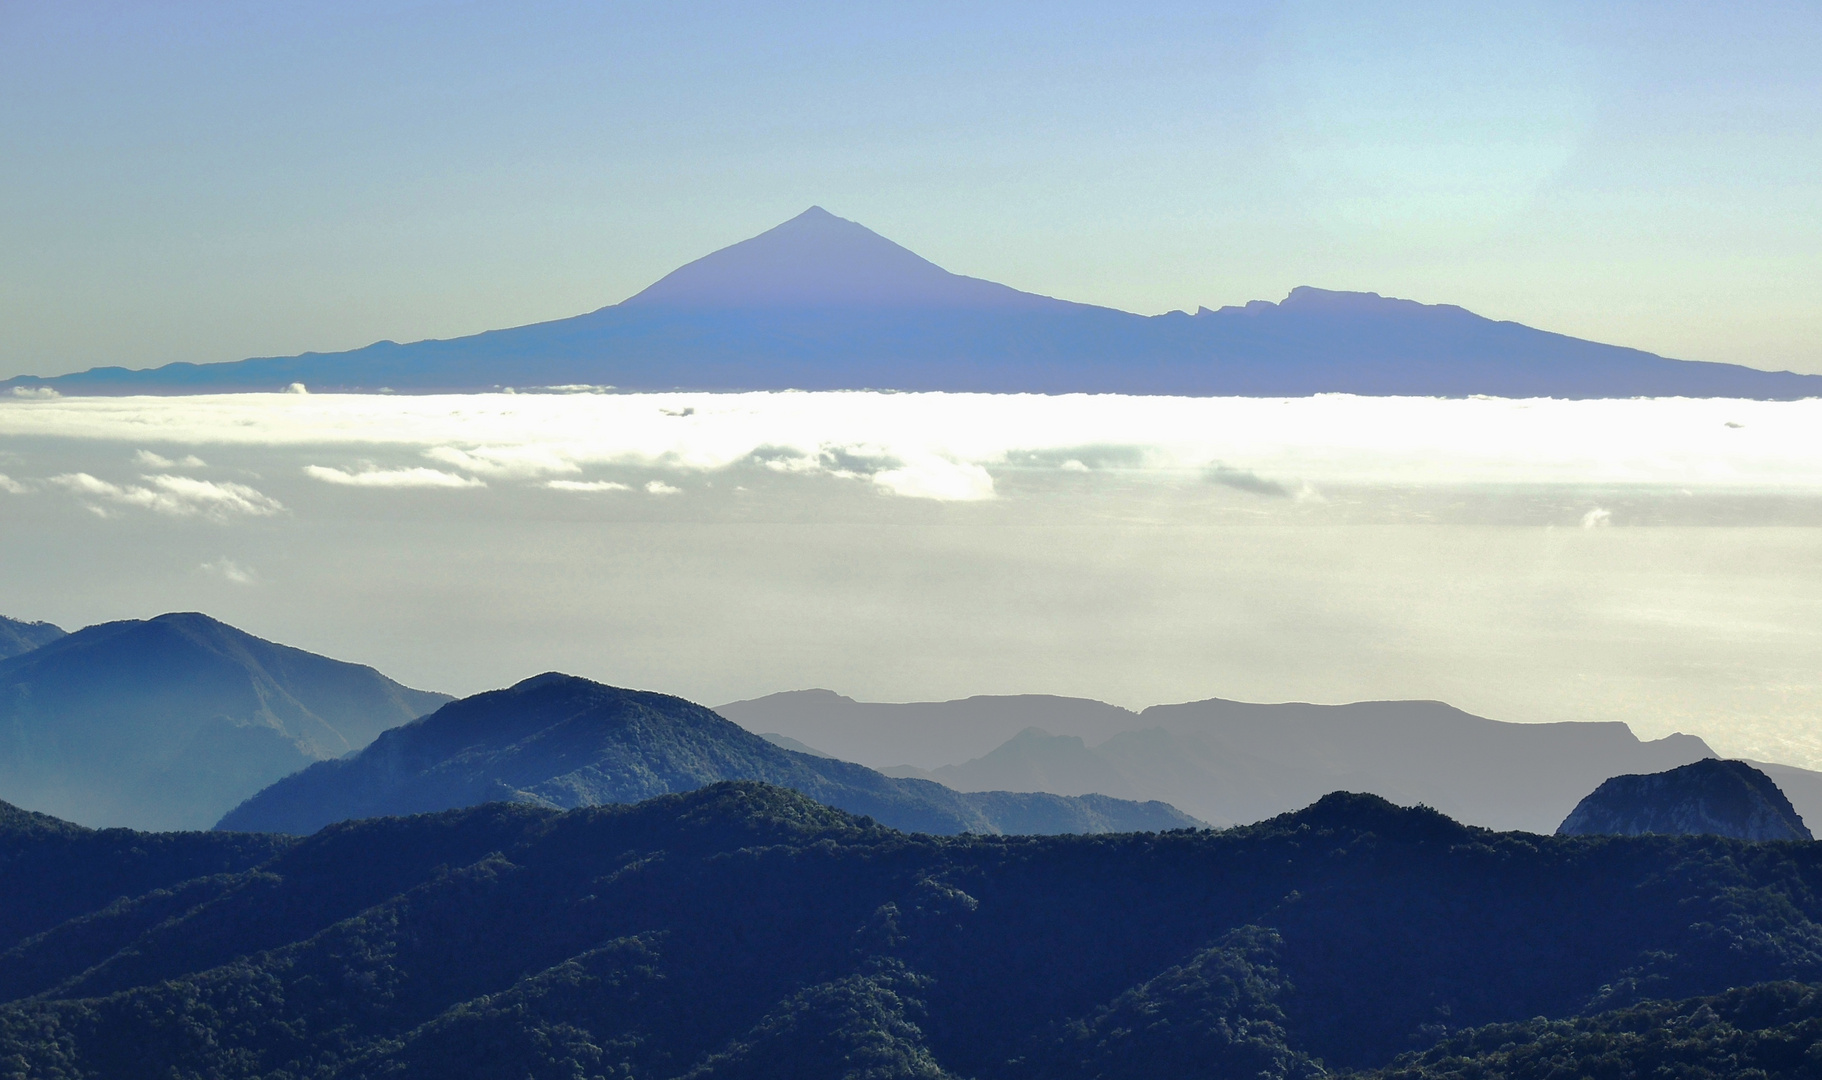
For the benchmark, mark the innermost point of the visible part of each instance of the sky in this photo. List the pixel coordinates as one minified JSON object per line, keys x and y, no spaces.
{"x":206,"y":182}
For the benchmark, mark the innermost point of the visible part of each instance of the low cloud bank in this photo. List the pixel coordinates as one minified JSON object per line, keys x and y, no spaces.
{"x":949,"y":447}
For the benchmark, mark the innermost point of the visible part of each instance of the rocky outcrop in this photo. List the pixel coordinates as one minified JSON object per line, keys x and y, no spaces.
{"x":1722,"y":798}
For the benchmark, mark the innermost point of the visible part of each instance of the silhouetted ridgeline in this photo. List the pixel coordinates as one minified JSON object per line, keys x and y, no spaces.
{"x":167,"y":723}
{"x":560,"y":741}
{"x":20,"y":637}
{"x":1234,"y":761}
{"x":1725,"y":798}
{"x":820,"y":303}
{"x":743,"y":930}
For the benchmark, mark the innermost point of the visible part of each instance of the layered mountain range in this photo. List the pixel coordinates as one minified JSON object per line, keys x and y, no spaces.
{"x":822,"y":303}
{"x":167,"y":723}
{"x":1231,"y":762}
{"x":744,"y":930}
{"x":562,"y":742}
{"x":173,"y":722}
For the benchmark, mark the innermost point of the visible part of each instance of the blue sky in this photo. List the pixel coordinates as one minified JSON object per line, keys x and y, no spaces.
{"x":205,"y":182}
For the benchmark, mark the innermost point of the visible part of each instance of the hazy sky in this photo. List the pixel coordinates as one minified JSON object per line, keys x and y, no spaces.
{"x":203,"y":181}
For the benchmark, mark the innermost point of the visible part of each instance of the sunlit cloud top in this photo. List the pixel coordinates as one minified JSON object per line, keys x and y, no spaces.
{"x":948,"y":446}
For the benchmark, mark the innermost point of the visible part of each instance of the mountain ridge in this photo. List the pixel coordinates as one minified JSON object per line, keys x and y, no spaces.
{"x":742,"y":930}
{"x":822,"y":303}
{"x":168,"y":722}
{"x":1231,"y":762}
{"x":17,"y":636}
{"x":561,"y":741}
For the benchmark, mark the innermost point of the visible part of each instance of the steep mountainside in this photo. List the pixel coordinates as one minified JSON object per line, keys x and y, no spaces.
{"x":742,"y":930}
{"x":560,"y":741}
{"x":1722,"y":798}
{"x":167,"y":723}
{"x":1231,"y":761}
{"x":21,"y":637}
{"x":820,"y":303}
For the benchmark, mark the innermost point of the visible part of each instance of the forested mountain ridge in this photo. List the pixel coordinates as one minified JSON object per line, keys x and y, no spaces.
{"x":744,"y":930}
{"x":1771,"y":1031}
{"x":17,"y":636}
{"x":53,"y":870}
{"x":562,"y":741}
{"x":167,"y":723}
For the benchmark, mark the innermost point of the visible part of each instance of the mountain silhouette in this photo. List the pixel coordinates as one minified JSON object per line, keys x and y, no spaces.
{"x":743,"y":930}
{"x":21,"y":637}
{"x":1232,"y":762}
{"x":561,"y":741}
{"x":1709,"y":797}
{"x":167,"y":723}
{"x":822,"y":303}
{"x":819,"y":262}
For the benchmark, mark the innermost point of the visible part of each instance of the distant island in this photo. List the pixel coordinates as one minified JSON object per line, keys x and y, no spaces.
{"x":823,"y":303}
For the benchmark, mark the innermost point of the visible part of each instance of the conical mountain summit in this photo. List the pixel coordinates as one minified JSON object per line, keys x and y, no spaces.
{"x":818,"y":260}
{"x":823,"y":303}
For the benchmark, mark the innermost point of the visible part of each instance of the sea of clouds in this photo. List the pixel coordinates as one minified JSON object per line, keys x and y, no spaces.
{"x":945,"y":447}
{"x":1652,"y":561}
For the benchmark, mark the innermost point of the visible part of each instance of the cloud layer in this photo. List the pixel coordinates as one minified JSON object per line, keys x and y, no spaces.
{"x":950,"y":446}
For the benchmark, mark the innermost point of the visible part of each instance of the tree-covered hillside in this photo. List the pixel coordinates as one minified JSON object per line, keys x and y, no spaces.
{"x":743,"y":930}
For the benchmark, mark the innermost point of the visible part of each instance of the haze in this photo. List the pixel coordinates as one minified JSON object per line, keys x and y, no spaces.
{"x":1647,"y":561}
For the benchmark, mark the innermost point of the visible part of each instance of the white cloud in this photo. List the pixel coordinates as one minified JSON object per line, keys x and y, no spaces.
{"x":418,"y":477}
{"x":158,"y":461}
{"x":177,"y":496}
{"x":659,"y":487}
{"x":11,"y":486}
{"x":230,"y":571}
{"x":935,"y":478}
{"x":505,"y":461}
{"x":586,"y":485}
{"x":1597,"y":518}
{"x":297,"y":388}
{"x":43,"y":393}
{"x":948,"y":445}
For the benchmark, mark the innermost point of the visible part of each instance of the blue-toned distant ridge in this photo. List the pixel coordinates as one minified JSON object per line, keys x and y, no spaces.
{"x":822,"y":303}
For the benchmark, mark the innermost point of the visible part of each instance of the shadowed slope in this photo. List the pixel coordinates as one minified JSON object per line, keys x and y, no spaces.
{"x":1722,"y":798}
{"x":744,"y":930}
{"x":22,"y":637}
{"x":168,"y":722}
{"x":561,"y":741}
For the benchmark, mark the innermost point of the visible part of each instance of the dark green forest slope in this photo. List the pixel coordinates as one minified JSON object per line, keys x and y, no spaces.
{"x":560,"y":741}
{"x":743,"y":930}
